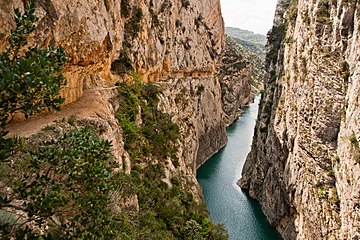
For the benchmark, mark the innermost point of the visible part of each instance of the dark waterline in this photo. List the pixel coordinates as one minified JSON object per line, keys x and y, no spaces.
{"x":241,"y":215}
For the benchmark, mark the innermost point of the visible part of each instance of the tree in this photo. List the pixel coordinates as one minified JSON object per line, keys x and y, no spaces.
{"x":30,"y":78}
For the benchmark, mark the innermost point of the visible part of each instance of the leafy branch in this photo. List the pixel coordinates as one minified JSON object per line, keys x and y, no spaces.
{"x":30,"y":78}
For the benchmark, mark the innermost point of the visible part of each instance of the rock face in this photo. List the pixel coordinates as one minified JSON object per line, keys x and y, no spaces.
{"x":89,"y":32}
{"x":196,"y":107}
{"x":304,"y":163}
{"x":172,"y":44}
{"x":235,"y":76}
{"x":253,"y":49}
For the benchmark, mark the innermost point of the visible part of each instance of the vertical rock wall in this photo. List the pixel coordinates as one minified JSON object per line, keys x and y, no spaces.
{"x":196,"y":107}
{"x":90,"y":32}
{"x":304,"y":163}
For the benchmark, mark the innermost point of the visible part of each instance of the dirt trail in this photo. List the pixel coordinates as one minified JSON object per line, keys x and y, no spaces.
{"x":92,"y":104}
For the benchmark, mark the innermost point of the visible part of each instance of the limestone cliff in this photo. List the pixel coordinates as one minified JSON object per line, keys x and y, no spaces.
{"x":172,"y":44}
{"x":235,"y":75}
{"x":304,"y":163}
{"x":252,"y":49}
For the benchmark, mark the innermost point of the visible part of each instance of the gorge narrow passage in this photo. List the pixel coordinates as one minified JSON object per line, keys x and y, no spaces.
{"x":227,"y":204}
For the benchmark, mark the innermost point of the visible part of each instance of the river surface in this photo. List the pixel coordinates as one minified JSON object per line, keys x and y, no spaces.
{"x":227,"y":204}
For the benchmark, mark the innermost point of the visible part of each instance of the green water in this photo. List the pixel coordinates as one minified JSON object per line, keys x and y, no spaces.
{"x":227,"y":204}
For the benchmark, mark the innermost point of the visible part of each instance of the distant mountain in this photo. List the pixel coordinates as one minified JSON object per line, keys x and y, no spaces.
{"x":246,"y":35}
{"x":255,"y":43}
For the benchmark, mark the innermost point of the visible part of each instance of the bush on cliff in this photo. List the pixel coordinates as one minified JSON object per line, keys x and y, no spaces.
{"x":30,"y":78}
{"x":61,"y":185}
{"x":149,"y":134}
{"x":60,"y":188}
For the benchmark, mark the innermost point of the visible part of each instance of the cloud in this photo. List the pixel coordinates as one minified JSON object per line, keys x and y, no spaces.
{"x":253,"y":15}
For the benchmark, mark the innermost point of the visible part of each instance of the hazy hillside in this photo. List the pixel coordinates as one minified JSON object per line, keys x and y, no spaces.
{"x":255,"y":43}
{"x":254,"y":48}
{"x":246,"y":35}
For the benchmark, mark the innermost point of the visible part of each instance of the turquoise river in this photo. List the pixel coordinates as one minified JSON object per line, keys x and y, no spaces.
{"x":227,"y":204}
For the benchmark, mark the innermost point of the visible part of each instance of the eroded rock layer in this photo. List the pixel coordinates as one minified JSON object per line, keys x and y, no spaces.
{"x":304,"y":163}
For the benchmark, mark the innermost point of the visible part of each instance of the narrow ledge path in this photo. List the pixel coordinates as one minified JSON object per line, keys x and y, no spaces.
{"x":93,"y":104}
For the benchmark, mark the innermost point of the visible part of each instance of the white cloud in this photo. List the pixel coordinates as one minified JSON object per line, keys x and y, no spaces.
{"x":253,"y":15}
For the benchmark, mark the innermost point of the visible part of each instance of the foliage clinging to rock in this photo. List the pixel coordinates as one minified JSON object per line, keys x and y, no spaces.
{"x":62,"y":185}
{"x":164,"y":212}
{"x":156,"y":136}
{"x":30,"y":78}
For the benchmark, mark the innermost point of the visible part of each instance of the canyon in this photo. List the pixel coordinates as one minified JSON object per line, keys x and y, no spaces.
{"x":304,"y":162}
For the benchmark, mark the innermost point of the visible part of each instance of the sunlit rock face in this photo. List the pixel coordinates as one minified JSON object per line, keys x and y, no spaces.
{"x":162,"y":39}
{"x":304,"y":163}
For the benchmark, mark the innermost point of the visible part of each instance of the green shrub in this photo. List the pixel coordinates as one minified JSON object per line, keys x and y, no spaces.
{"x":323,"y":12}
{"x":125,"y":8}
{"x":171,"y":213}
{"x":354,"y":140}
{"x":292,"y":12}
{"x":165,"y":6}
{"x":150,"y":134}
{"x":156,"y":136}
{"x":68,"y":179}
{"x":132,"y":23}
{"x":6,"y":146}
{"x":30,"y":78}
{"x":191,"y":230}
{"x":335,"y":199}
{"x":356,"y":145}
{"x":345,"y":71}
{"x":135,"y":20}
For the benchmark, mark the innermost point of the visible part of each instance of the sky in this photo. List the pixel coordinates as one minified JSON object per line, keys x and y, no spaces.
{"x":253,"y":15}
